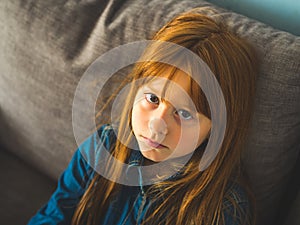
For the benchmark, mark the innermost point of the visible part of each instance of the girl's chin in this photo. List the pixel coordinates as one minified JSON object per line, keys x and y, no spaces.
{"x":154,"y":155}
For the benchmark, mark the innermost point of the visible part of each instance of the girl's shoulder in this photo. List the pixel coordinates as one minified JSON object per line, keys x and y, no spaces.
{"x":106,"y":131}
{"x":236,"y":192}
{"x":237,"y":206}
{"x":103,"y":137}
{"x":97,"y":146}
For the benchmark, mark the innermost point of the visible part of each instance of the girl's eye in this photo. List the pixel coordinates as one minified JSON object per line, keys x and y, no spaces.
{"x":186,"y":115}
{"x":152,"y":98}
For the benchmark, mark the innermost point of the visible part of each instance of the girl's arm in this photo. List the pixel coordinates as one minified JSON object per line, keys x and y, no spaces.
{"x":71,"y":186}
{"x":73,"y":182}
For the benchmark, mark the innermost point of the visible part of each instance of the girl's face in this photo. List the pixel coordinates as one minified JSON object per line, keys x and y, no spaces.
{"x":165,"y":121}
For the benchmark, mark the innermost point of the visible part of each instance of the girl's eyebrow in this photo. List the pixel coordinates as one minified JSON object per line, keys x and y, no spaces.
{"x":179,"y":102}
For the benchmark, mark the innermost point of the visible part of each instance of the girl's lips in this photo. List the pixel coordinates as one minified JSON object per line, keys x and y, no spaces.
{"x":152,"y":143}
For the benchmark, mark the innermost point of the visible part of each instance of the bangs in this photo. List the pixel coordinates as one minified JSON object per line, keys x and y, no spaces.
{"x":153,"y":70}
{"x":199,"y":99}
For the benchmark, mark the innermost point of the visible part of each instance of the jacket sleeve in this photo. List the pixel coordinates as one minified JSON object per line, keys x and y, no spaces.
{"x":70,"y":187}
{"x":74,"y":181}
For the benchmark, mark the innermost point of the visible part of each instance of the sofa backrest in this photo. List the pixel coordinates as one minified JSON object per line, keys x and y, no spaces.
{"x":47,"y":45}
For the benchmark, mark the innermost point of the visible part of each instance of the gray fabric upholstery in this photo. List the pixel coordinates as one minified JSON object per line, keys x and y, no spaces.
{"x":47,"y":45}
{"x":294,"y":215}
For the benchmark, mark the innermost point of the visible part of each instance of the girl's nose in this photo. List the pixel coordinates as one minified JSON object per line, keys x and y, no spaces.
{"x":157,"y":122}
{"x":158,"y":126}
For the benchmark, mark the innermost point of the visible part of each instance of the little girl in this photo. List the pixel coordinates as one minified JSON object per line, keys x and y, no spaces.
{"x":166,"y":124}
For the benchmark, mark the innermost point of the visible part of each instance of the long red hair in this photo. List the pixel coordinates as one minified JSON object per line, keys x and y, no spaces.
{"x":197,"y":197}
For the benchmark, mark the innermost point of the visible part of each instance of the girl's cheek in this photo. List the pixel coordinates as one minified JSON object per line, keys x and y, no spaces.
{"x":139,"y":111}
{"x":145,"y":105}
{"x":190,"y":138}
{"x":139,"y":107}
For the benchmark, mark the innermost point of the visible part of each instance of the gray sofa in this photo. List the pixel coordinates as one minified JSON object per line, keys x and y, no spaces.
{"x":46,"y":46}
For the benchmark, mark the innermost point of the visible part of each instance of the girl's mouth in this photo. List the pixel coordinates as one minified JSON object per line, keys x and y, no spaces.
{"x":153,"y":144}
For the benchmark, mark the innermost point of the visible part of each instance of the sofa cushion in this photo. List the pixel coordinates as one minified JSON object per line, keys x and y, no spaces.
{"x":47,"y":45}
{"x":23,"y":189}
